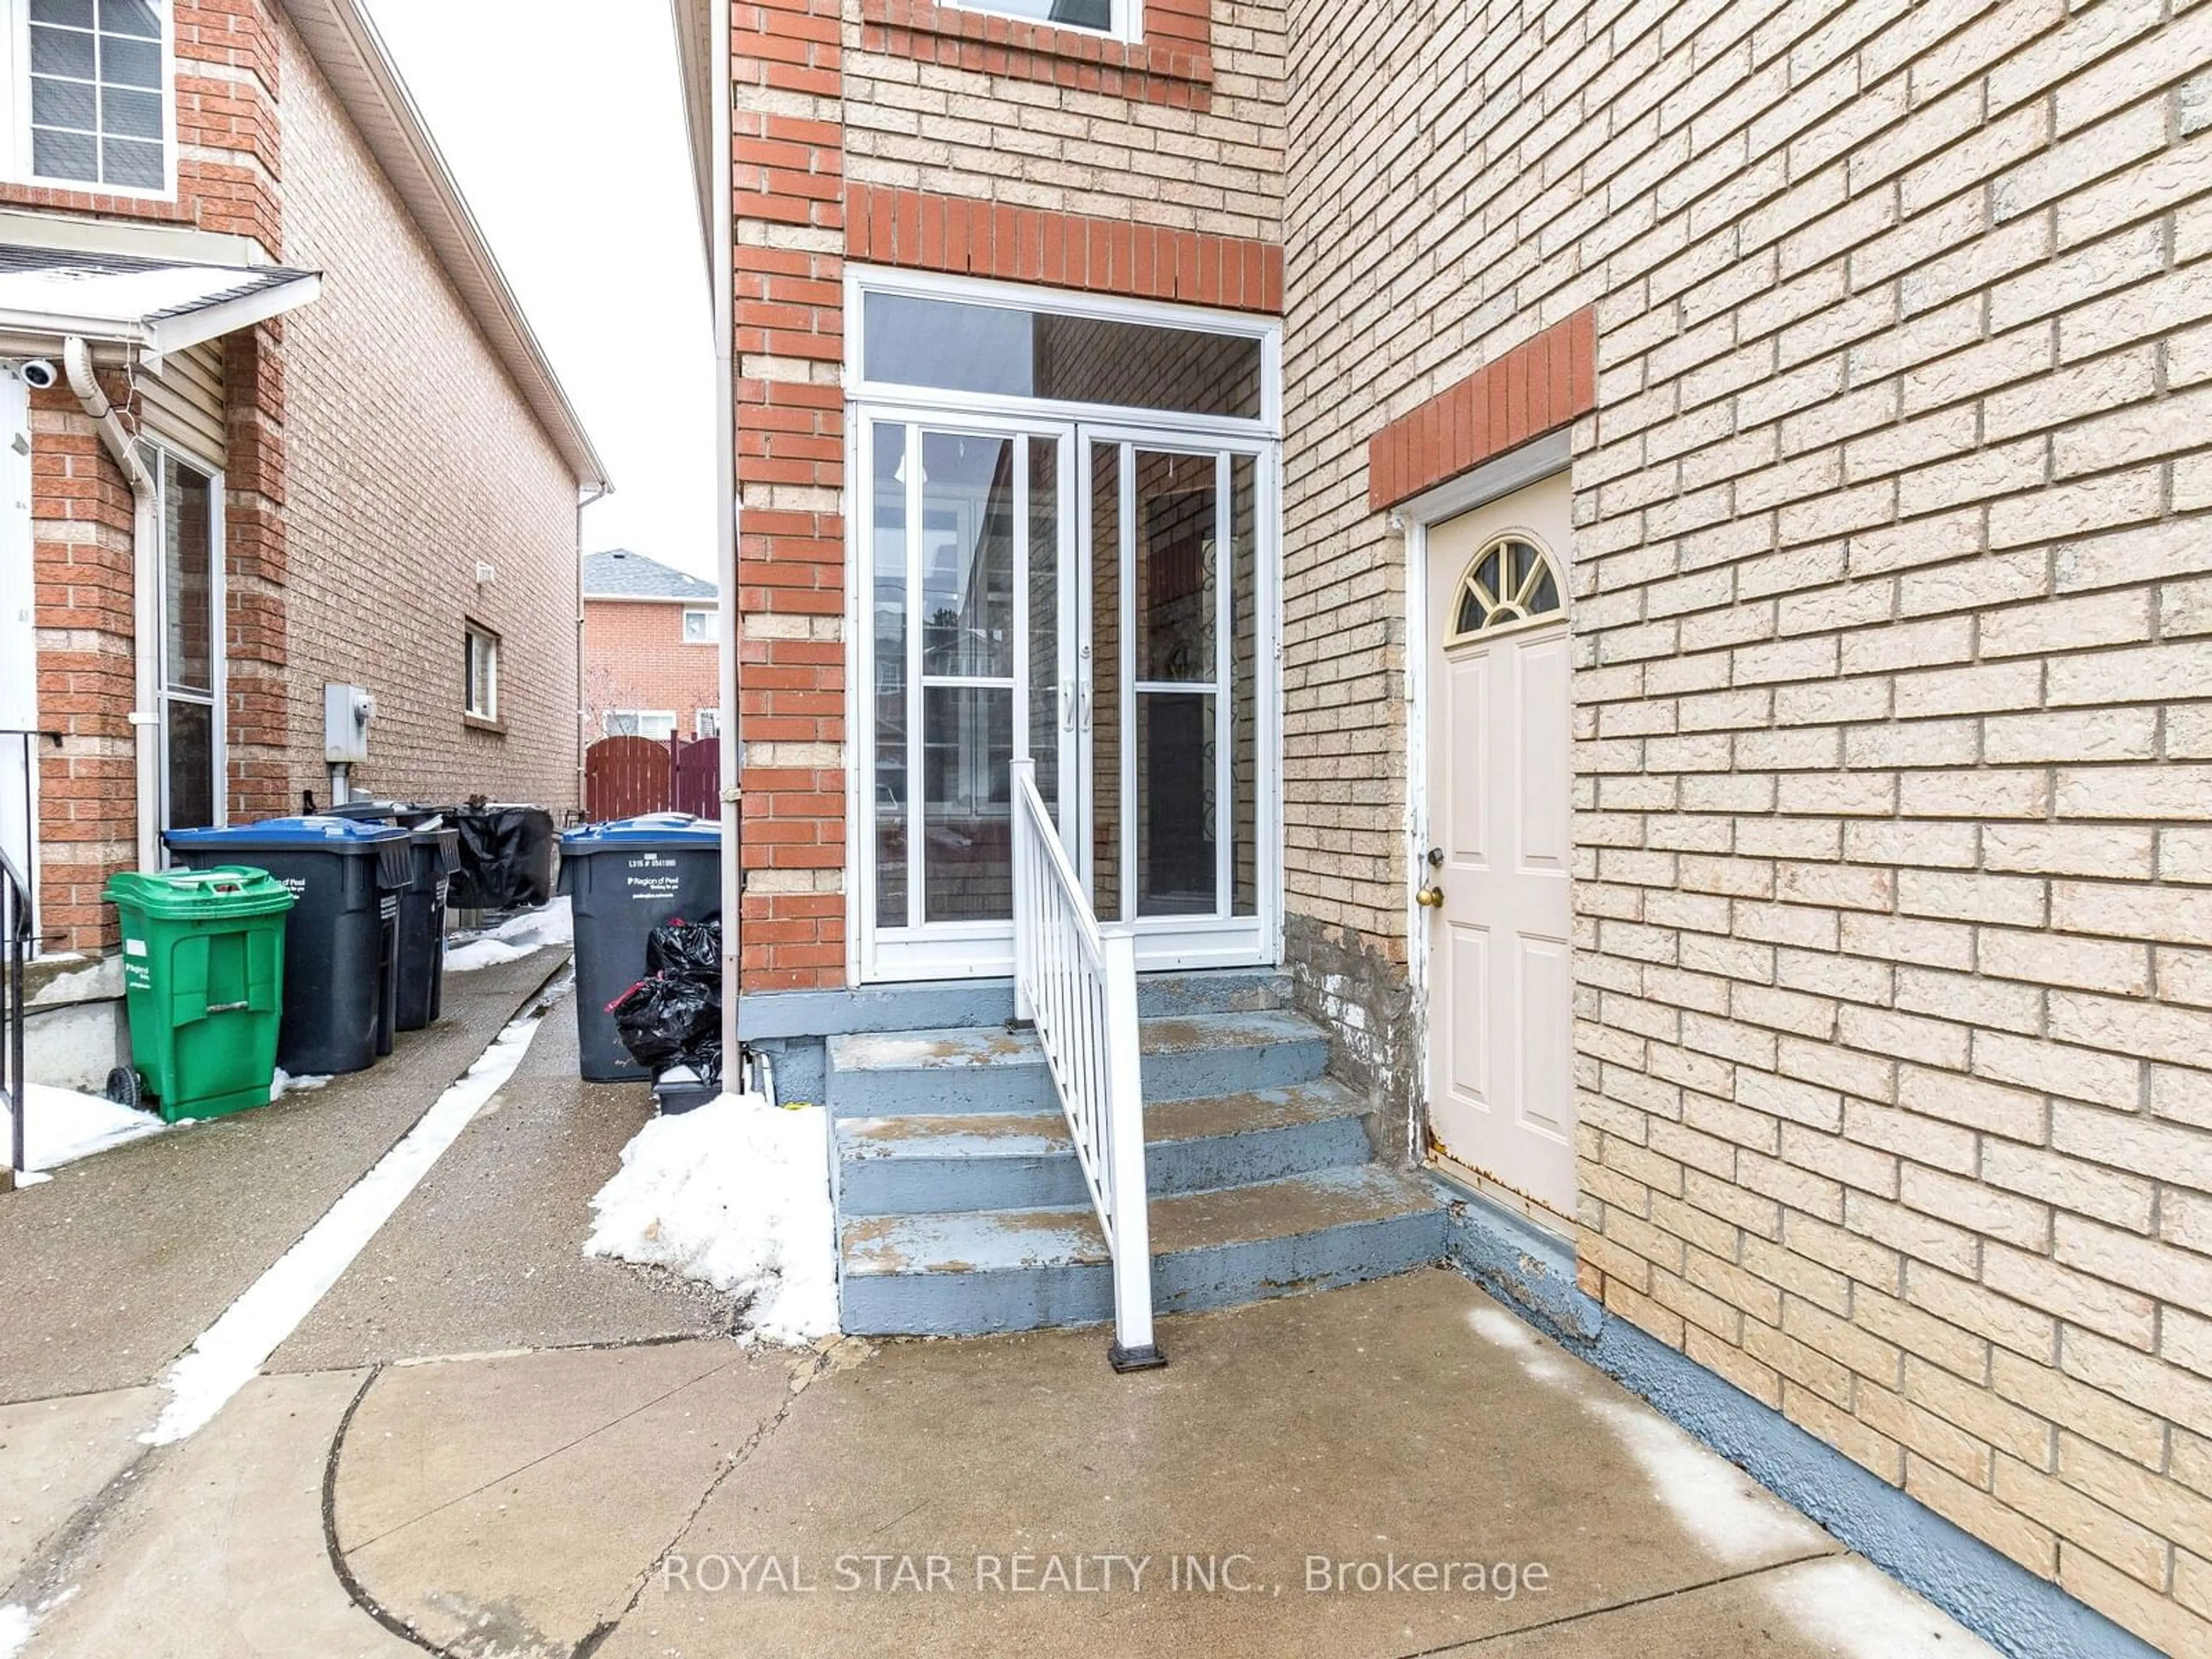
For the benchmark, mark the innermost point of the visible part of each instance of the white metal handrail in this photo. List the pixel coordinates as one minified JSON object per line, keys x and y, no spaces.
{"x":1077,"y":983}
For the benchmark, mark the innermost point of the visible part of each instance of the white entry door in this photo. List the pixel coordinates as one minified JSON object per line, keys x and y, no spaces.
{"x":19,"y":682}
{"x":1495,"y":881}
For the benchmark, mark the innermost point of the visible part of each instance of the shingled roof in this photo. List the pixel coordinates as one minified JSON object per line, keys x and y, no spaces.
{"x":620,"y":574}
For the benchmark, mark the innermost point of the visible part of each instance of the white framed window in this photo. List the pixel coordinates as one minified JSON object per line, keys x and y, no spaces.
{"x":706,"y":723}
{"x":188,"y":517}
{"x":702,"y":626}
{"x":658,"y":724}
{"x":1118,"y":19}
{"x":90,"y":95}
{"x":479,"y":672}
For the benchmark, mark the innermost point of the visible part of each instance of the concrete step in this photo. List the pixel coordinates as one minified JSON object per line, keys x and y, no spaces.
{"x":1009,"y":1270}
{"x":1211,"y":991}
{"x":918,"y":1163}
{"x":989,"y":1069}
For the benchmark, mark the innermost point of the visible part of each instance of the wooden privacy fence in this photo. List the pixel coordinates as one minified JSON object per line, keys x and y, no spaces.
{"x":624,"y":777}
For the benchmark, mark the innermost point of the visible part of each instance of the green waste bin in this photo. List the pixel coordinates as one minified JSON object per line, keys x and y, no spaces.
{"x":203,"y":975}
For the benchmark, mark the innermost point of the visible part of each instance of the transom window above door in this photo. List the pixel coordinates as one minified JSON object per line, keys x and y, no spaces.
{"x":1511,"y":581}
{"x":1117,"y":18}
{"x":989,"y":344}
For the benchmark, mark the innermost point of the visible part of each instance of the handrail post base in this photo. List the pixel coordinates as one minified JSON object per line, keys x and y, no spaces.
{"x":1125,"y":1360}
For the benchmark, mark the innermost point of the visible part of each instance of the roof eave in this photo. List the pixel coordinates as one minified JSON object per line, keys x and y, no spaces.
{"x":158,"y":337}
{"x":354,"y":60}
{"x":191,"y":328}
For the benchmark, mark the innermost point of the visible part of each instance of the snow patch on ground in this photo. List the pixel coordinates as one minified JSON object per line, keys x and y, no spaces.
{"x":285,"y":1083}
{"x":1501,"y":1329}
{"x":513,"y":938}
{"x":232,"y":1350}
{"x":16,"y":1625}
{"x":61,"y":1125}
{"x":735,"y":1194}
{"x":1711,"y":1499}
{"x":1853,"y":1608}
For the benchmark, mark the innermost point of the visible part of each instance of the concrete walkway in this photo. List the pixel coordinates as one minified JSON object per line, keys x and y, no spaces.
{"x":483,"y":1444}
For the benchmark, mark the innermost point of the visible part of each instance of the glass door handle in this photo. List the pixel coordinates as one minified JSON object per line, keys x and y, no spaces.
{"x":1069,"y":700}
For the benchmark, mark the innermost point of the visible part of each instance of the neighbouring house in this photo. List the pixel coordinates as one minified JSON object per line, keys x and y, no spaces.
{"x":651,"y":646}
{"x":1613,"y":606}
{"x":272,"y":430}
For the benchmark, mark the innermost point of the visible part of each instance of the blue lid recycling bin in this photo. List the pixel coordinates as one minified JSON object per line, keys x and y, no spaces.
{"x":419,"y":986}
{"x":341,"y":952}
{"x":623,"y":879}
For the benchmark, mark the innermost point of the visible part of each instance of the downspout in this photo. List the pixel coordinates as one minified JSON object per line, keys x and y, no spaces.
{"x":145,"y":594}
{"x":598,"y":492}
{"x":722,"y":258}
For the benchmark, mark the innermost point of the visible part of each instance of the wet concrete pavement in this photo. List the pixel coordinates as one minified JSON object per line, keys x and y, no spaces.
{"x":488,"y":1253}
{"x":108,"y":1271}
{"x":483,"y":1444}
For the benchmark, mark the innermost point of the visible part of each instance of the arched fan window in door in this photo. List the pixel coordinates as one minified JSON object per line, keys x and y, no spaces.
{"x":1511,"y":581}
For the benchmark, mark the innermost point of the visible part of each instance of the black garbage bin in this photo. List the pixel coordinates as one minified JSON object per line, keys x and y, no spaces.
{"x":420,"y":989}
{"x":341,"y":939}
{"x":623,"y":879}
{"x":422,"y":973}
{"x":506,"y":857}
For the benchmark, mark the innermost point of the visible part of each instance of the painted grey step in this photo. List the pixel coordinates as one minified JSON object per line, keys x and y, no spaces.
{"x":990,"y":1069}
{"x":1009,"y":1270}
{"x":917,"y":1163}
{"x":1211,"y":991}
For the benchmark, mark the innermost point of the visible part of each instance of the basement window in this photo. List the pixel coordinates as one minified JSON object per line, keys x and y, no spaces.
{"x":480,"y":672}
{"x":1117,"y":18}
{"x":91,"y":85}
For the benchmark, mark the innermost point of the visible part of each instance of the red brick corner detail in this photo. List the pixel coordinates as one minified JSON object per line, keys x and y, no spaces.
{"x":886,"y":225}
{"x":1173,"y":64}
{"x":1538,"y":387}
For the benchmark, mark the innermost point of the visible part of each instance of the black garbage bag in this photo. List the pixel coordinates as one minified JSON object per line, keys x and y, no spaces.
{"x":506,"y":857}
{"x":691,"y":949}
{"x":666,"y":1020}
{"x":674,"y":1015}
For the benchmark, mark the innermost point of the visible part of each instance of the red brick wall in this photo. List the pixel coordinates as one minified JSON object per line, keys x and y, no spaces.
{"x":788,"y":194}
{"x":1538,"y":387}
{"x":916,"y":229}
{"x":228,"y":177}
{"x":635,"y":656}
{"x":80,"y":512}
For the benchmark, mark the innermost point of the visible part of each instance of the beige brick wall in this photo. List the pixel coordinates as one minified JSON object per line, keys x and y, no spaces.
{"x":411,"y":457}
{"x":1031,"y":143}
{"x":1894,"y":690}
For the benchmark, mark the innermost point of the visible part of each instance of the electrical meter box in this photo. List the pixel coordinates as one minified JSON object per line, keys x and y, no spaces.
{"x":347,"y":711}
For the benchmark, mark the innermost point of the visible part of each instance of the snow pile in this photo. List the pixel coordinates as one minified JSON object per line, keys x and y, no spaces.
{"x":16,"y":1625}
{"x":736,"y":1194}
{"x":515,"y":939}
{"x":61,"y":1125}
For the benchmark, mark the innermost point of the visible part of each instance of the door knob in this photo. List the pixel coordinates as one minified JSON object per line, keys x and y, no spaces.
{"x":1430,"y":898}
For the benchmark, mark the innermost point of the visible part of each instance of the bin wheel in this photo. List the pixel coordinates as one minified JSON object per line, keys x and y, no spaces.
{"x":124,"y":1089}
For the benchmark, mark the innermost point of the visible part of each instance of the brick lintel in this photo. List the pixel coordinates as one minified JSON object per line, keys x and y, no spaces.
{"x":1538,"y":387}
